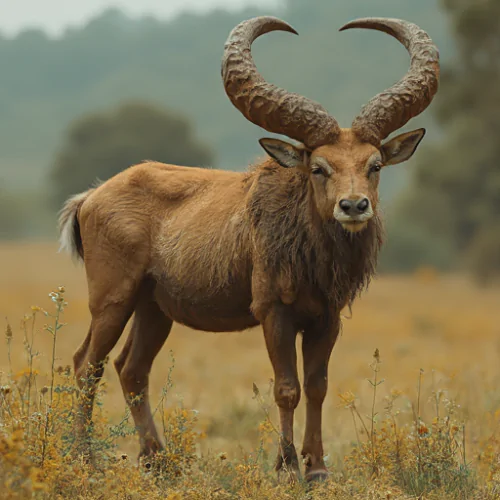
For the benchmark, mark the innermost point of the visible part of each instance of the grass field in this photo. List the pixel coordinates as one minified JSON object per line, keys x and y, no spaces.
{"x":439,"y":343}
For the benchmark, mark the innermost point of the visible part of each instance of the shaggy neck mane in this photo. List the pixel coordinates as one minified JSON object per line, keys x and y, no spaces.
{"x":298,"y":247}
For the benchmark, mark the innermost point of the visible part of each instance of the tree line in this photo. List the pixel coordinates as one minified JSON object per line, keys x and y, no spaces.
{"x":155,"y":93}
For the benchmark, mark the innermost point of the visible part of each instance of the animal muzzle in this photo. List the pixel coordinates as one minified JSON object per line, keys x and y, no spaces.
{"x":353,"y":212}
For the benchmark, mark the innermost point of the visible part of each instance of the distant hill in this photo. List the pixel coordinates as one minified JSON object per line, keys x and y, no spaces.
{"x":46,"y":83}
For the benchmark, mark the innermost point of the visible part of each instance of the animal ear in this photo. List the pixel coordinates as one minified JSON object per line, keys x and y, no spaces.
{"x":287,"y":155}
{"x":402,"y":147}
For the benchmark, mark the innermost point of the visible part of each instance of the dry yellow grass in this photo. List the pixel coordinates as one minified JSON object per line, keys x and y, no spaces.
{"x":444,"y":325}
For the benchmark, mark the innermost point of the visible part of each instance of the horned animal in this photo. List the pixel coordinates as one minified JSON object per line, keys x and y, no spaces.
{"x":286,"y":245}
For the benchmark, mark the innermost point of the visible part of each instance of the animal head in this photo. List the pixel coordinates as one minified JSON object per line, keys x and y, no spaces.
{"x":342,"y":165}
{"x":345,"y":176}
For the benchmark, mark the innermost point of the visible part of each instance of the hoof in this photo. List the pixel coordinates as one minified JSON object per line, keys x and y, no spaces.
{"x":288,"y":475}
{"x":287,"y":465}
{"x":317,"y":476}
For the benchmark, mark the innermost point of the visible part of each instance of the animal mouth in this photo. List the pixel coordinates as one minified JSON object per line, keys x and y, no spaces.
{"x":354,"y":225}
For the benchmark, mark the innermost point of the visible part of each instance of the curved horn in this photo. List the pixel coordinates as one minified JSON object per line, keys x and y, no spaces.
{"x":264,"y":104}
{"x":393,"y":108}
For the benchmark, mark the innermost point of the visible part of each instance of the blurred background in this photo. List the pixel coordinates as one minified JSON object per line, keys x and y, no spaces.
{"x":89,"y":88}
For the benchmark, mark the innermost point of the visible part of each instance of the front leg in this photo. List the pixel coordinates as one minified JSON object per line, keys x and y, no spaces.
{"x":280,"y":335}
{"x":317,"y":345}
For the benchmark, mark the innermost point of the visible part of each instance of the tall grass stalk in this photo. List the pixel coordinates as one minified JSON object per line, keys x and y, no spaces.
{"x":58,"y":298}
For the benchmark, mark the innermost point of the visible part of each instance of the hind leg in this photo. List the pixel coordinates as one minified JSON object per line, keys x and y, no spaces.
{"x":112,"y":299}
{"x":104,"y":332}
{"x":149,"y":331}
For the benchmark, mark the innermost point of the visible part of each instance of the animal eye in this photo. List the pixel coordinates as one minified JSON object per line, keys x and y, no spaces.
{"x":317,"y":171}
{"x":375,"y":168}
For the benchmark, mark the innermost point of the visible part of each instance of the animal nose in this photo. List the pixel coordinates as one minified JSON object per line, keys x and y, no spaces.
{"x":354,"y":207}
{"x":346,"y":205}
{"x":363,"y":205}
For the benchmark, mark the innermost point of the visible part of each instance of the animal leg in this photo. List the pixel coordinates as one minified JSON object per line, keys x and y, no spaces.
{"x":89,"y":360}
{"x":112,"y":295}
{"x":149,"y":331}
{"x":317,"y":346}
{"x":280,"y":335}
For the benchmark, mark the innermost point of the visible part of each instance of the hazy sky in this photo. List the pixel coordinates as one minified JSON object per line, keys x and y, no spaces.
{"x":55,"y":15}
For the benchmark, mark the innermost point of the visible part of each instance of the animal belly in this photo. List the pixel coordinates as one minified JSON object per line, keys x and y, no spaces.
{"x":220,"y":312}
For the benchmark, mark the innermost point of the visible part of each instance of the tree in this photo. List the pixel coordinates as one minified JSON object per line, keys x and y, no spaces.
{"x":100,"y":145}
{"x":455,"y":195}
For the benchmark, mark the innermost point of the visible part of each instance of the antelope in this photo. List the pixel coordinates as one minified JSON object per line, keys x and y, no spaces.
{"x":285,"y":245}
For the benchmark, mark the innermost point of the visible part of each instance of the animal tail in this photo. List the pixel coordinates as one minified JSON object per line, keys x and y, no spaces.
{"x":70,"y":239}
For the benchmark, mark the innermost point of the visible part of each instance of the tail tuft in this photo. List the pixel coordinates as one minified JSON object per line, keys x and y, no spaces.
{"x":70,"y":239}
